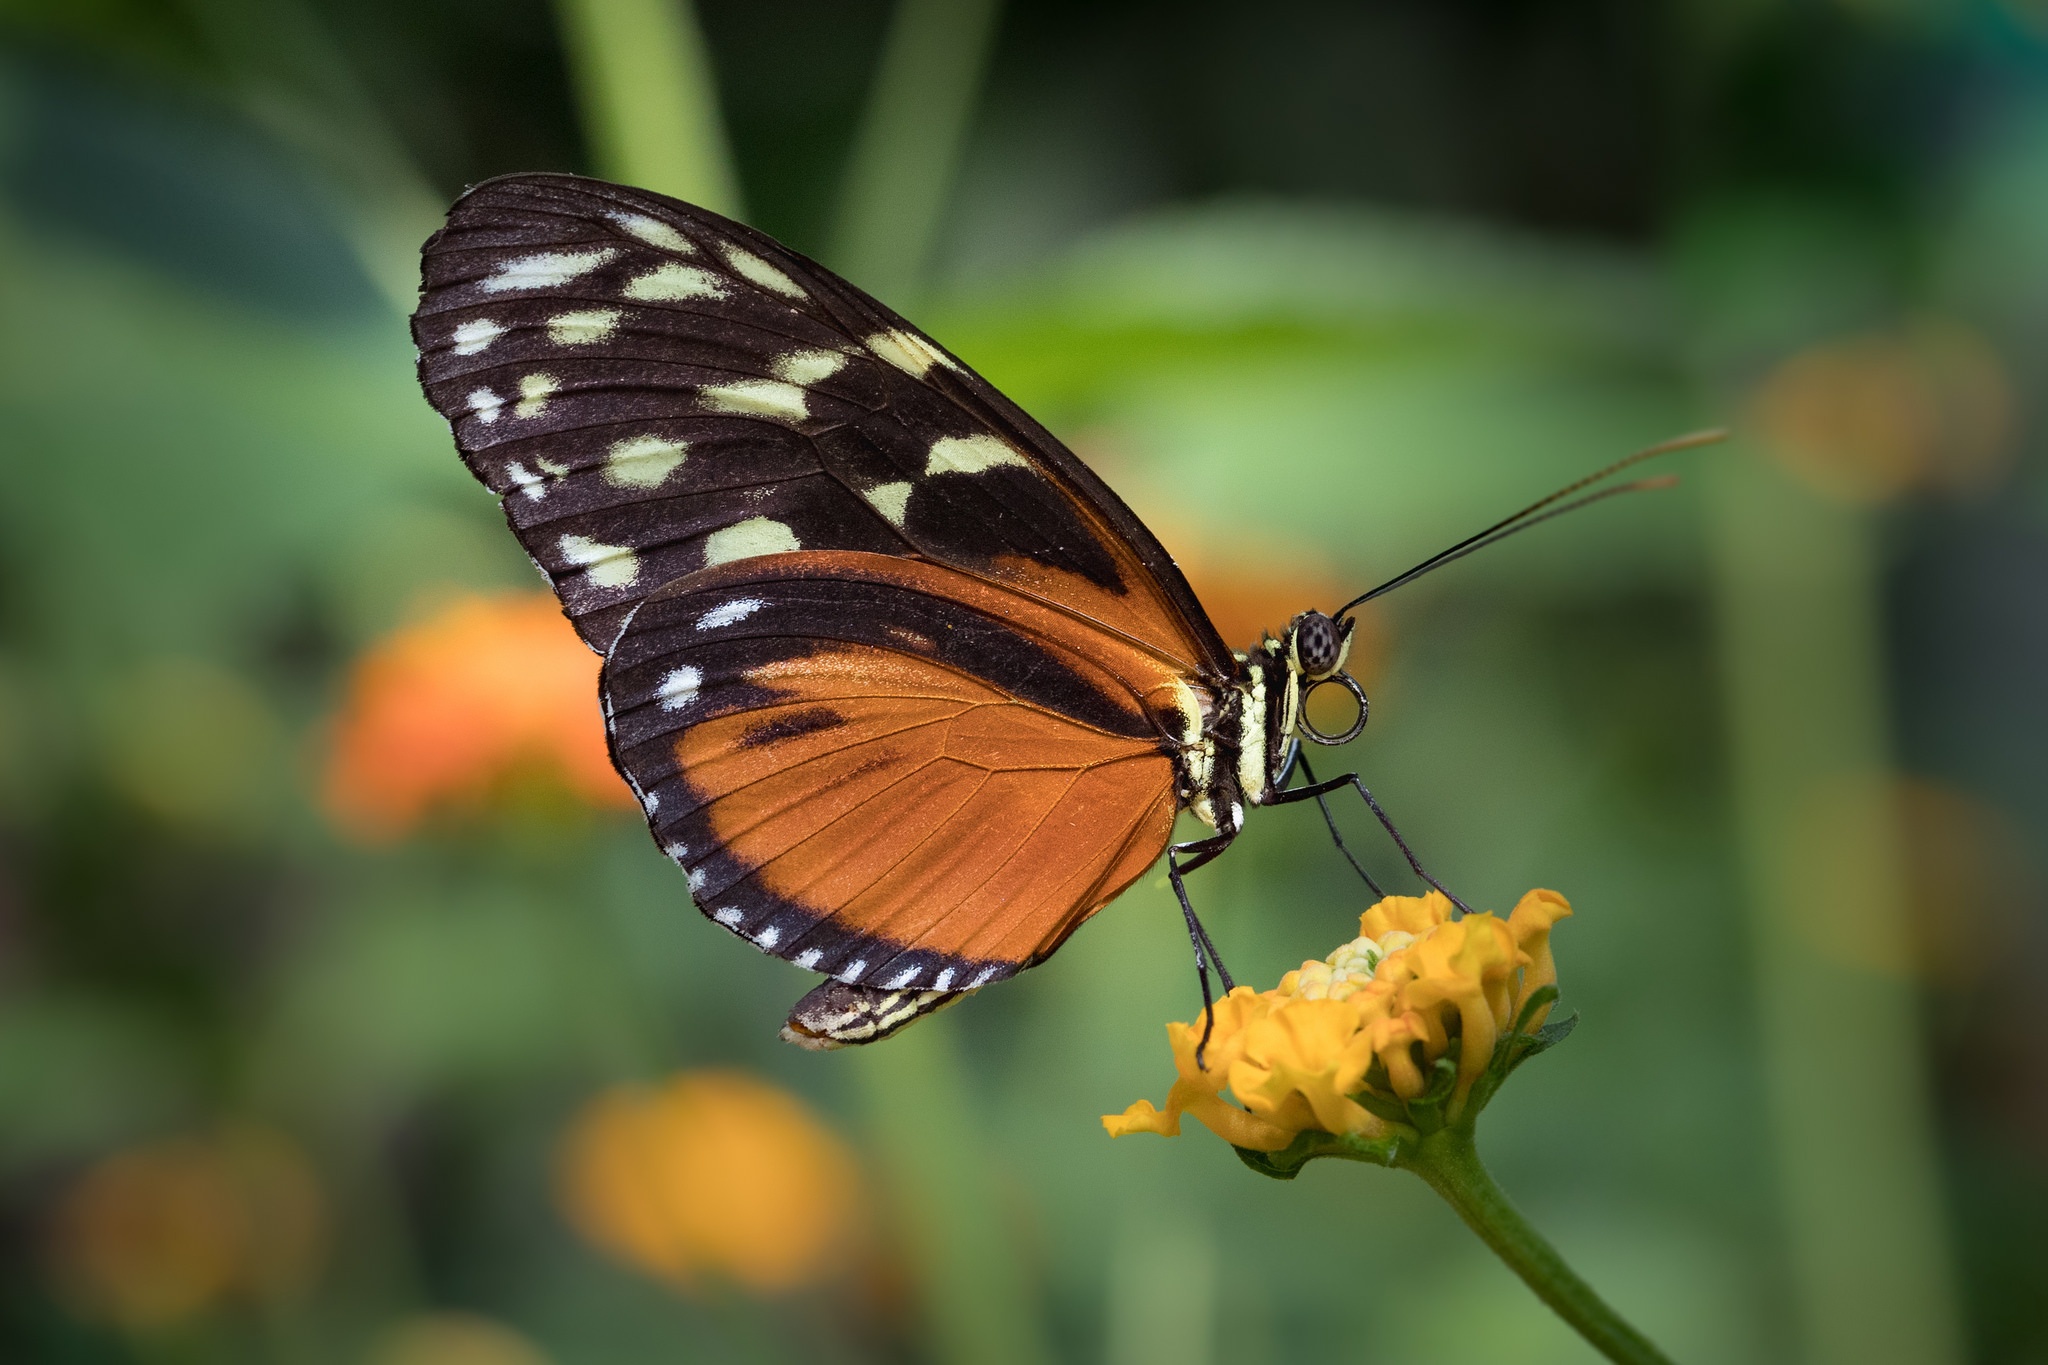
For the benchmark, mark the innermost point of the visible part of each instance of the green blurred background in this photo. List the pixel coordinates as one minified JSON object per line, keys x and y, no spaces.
{"x":1320,"y":287}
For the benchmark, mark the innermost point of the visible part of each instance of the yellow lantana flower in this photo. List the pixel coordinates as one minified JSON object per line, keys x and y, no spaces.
{"x":1366,"y":1029}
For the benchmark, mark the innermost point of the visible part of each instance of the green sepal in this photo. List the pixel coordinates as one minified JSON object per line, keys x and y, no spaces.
{"x":1309,"y":1144}
{"x":1539,"y":998}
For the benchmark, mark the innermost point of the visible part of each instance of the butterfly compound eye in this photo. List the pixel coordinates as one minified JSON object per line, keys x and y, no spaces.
{"x":1318,"y":645}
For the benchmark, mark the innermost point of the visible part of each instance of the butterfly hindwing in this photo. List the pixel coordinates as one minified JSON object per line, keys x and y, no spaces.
{"x":653,"y":389}
{"x":888,"y":770}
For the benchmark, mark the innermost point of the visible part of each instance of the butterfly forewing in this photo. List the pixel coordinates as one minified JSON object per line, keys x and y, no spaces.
{"x":653,"y":389}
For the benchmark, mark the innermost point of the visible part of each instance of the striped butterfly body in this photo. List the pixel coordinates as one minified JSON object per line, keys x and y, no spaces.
{"x":905,"y":689}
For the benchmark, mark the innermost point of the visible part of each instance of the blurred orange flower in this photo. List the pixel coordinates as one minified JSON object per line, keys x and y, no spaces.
{"x":1867,"y":418}
{"x":446,"y":712}
{"x":160,"y":1234}
{"x":1371,"y":1018}
{"x":715,"y":1175}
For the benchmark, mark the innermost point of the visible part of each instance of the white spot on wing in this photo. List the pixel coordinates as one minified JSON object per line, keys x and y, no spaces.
{"x":679,"y":688}
{"x":852,"y":970}
{"x":762,"y":273}
{"x":808,"y":367}
{"x":485,"y":404}
{"x":757,"y":398}
{"x":901,"y":979}
{"x":945,"y":981}
{"x":892,"y":500}
{"x":472,"y":336}
{"x":970,"y":455}
{"x":768,"y":937}
{"x":642,"y":461}
{"x":526,"y":481}
{"x":697,"y":879}
{"x":585,"y":327}
{"x":981,"y":978}
{"x":809,"y":958}
{"x":673,"y":284}
{"x":545,"y":270}
{"x":745,"y":539}
{"x":607,"y":566}
{"x":728,"y":916}
{"x":908,"y":352}
{"x":729,"y":613}
{"x":653,"y":231}
{"x":534,"y":391}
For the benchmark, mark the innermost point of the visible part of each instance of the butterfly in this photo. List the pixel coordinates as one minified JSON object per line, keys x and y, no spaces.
{"x":902,"y":685}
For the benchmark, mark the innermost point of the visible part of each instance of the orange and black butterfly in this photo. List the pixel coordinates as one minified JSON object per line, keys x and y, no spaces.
{"x":905,"y":689}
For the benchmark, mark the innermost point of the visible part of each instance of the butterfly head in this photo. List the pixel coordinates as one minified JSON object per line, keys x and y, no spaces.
{"x":1315,"y":648}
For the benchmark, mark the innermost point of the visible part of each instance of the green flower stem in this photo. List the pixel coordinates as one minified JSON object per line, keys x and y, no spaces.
{"x":1449,"y":1161}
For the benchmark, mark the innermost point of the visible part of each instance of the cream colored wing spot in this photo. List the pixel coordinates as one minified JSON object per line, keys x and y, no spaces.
{"x":606,"y":566}
{"x":673,"y":284}
{"x":654,"y":232}
{"x":729,"y":613}
{"x":808,"y":367}
{"x":472,"y":337}
{"x":762,"y":273}
{"x":643,"y":461}
{"x":970,"y":455}
{"x":534,"y":392}
{"x":892,"y":500}
{"x":485,"y":405}
{"x":545,"y":270}
{"x":757,"y":398}
{"x":809,"y":958}
{"x":745,"y":539}
{"x":584,"y":328}
{"x":908,"y":352}
{"x":526,"y":481}
{"x":679,"y":688}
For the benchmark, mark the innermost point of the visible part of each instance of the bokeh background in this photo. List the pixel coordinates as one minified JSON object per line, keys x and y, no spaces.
{"x":346,"y":1014}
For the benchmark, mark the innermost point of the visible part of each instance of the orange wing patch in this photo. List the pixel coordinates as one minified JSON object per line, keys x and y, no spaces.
{"x":892,"y":772}
{"x":927,"y":818}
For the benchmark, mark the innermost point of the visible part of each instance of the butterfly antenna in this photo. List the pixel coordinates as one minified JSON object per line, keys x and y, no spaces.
{"x":1547,"y":508}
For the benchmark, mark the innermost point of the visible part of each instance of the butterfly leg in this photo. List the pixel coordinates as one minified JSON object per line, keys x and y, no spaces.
{"x":1297,"y":757}
{"x":1317,"y":790}
{"x":1201,"y":852}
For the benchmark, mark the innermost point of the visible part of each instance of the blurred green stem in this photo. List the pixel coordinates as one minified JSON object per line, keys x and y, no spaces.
{"x":973,"y":1289}
{"x":1448,"y":1161}
{"x":293,"y":79}
{"x":1845,"y":1064}
{"x":909,"y":142}
{"x":649,"y":101}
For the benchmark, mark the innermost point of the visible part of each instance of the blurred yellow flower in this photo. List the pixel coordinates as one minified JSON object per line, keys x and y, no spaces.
{"x":160,"y":1234}
{"x":714,"y":1175}
{"x":1371,"y":1020}
{"x":453,"y":1339}
{"x":444,"y":713}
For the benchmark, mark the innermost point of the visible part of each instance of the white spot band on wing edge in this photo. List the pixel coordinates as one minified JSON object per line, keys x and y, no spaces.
{"x":606,"y":566}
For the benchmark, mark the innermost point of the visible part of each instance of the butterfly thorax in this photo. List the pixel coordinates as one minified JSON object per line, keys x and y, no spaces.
{"x":1250,"y":719}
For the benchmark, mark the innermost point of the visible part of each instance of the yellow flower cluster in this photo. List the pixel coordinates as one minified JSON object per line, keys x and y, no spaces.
{"x":1389,"y":1004}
